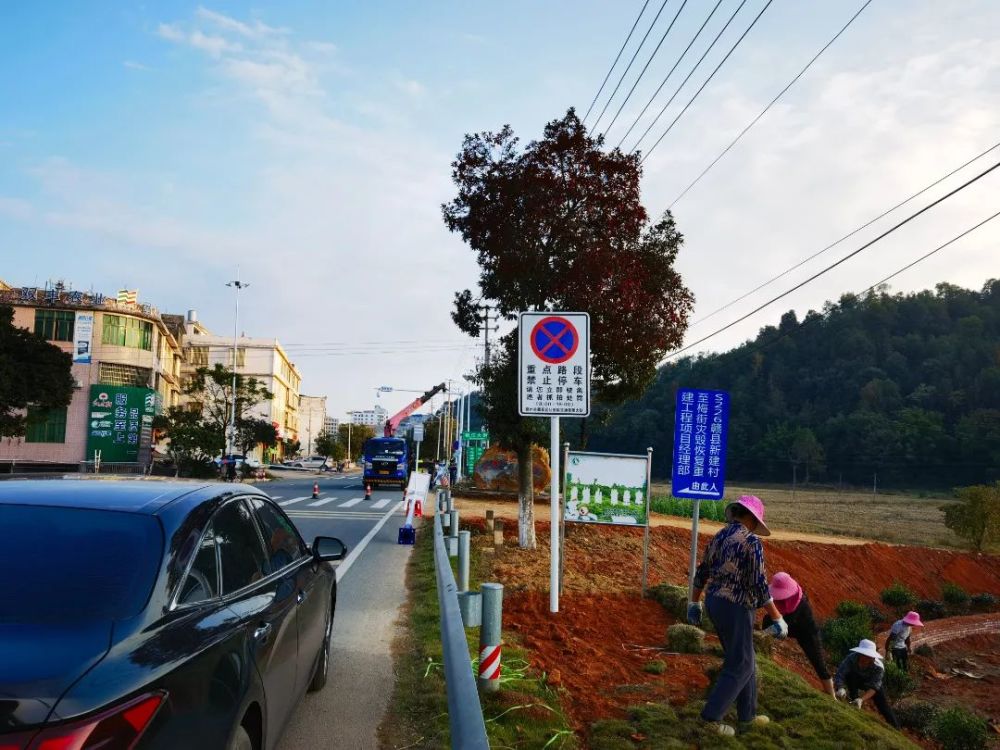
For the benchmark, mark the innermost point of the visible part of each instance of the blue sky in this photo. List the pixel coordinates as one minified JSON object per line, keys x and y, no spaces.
{"x":158,"y":146}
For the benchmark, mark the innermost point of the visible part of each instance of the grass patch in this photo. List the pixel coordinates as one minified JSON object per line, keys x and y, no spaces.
{"x":524,"y":713}
{"x":801,"y":716}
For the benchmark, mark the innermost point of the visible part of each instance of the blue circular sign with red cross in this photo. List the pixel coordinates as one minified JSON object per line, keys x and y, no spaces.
{"x":554,"y":339}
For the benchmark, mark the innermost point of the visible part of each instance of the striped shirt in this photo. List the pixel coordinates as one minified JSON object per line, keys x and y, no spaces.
{"x":733,"y":567}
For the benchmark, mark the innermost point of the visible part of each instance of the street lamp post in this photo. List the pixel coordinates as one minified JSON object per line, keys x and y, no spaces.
{"x":237,"y":285}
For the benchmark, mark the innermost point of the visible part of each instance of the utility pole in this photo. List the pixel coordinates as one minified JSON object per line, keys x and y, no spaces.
{"x":487,"y":319}
{"x":238,"y":285}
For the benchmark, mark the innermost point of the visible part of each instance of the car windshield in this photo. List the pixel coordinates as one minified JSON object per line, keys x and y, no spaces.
{"x":75,"y":563}
{"x":391,"y":447}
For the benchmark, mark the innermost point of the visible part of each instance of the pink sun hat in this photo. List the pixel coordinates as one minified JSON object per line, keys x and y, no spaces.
{"x":913,"y":618}
{"x":753,"y":504}
{"x":783,"y":586}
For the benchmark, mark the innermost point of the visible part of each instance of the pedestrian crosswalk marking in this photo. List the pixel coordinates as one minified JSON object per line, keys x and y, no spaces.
{"x":353,"y":501}
{"x":324,"y":501}
{"x":293,"y":500}
{"x":382,"y":503}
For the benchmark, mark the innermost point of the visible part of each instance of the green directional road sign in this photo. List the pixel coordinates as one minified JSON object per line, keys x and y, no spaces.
{"x":473,"y":447}
{"x":467,"y":436}
{"x":120,"y":423}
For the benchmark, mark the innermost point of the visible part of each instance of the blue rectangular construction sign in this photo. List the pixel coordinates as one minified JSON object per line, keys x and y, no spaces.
{"x":700,"y":427}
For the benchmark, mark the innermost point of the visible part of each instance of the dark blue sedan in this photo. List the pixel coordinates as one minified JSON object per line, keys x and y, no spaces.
{"x":154,"y":615}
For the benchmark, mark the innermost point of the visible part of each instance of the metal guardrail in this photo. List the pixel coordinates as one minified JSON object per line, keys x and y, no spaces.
{"x":465,"y":714}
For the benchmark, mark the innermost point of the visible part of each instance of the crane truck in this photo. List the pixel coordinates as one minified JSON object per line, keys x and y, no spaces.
{"x":387,"y":458}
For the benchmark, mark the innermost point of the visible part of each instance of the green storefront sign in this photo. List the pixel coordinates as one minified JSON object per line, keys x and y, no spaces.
{"x":473,"y":447}
{"x":120,"y":423}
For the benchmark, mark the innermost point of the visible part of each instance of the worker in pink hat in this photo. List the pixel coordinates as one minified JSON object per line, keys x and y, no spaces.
{"x":732,"y":572}
{"x":794,"y":606}
{"x":897,"y":645}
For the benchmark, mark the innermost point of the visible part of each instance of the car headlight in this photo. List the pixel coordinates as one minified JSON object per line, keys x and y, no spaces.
{"x":401,"y":467}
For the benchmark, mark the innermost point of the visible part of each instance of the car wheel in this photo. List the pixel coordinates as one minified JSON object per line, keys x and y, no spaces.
{"x":323,"y":660}
{"x":240,"y":740}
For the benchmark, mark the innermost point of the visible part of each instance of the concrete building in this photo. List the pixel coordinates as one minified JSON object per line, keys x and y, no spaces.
{"x":263,"y":359}
{"x":331,"y":425}
{"x":312,"y":421}
{"x":126,"y":366}
{"x":370,"y":417}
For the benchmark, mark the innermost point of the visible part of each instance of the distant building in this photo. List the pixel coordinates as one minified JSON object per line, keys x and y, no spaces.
{"x":370,"y":417}
{"x":331,"y":425}
{"x":126,"y":366}
{"x":263,"y":359}
{"x":312,"y":421}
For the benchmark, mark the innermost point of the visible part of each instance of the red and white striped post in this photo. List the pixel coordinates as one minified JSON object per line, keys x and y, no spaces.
{"x":489,"y":637}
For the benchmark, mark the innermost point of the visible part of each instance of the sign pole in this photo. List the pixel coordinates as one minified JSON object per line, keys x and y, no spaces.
{"x":562,"y":517}
{"x":695,"y":512}
{"x":645,"y":533}
{"x":554,"y":518}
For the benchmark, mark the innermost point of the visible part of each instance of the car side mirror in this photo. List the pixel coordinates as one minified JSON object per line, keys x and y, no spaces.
{"x":328,"y":549}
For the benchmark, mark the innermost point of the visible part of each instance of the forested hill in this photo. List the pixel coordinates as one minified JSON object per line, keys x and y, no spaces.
{"x":905,"y":386}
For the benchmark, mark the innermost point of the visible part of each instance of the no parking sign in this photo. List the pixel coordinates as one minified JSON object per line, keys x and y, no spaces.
{"x":554,"y":364}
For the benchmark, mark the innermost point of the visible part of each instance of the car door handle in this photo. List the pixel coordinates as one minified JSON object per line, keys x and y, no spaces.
{"x":262,"y":633}
{"x":301,"y":597}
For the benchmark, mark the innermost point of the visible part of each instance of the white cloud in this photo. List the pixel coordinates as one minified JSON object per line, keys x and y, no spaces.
{"x":16,"y":208}
{"x":133,"y":65}
{"x":171,"y":32}
{"x":411,"y":88}
{"x":254,"y":30}
{"x":213,"y":45}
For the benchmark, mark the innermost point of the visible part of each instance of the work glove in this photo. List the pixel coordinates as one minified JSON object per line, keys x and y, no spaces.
{"x":841,"y":694}
{"x":694,"y":613}
{"x":778,"y":629}
{"x":857,"y":703}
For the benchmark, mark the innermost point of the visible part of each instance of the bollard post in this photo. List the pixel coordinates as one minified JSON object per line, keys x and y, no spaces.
{"x":470,"y":604}
{"x":453,"y":534}
{"x":498,"y":534}
{"x":454,"y":522}
{"x":489,"y":521}
{"x":489,"y":637}
{"x":463,"y":560}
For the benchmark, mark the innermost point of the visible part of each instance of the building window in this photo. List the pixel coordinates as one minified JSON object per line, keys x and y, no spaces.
{"x":46,"y":426}
{"x":55,"y":325}
{"x":113,"y":373}
{"x":198,"y":356}
{"x":120,"y":330}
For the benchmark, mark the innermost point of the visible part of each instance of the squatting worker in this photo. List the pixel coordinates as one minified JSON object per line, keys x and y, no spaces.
{"x":733,"y":569}
{"x":793,"y":604}
{"x":859,"y":679}
{"x":898,"y":644}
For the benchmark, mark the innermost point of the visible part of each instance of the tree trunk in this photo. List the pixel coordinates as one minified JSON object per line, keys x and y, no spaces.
{"x":584,"y":434}
{"x":525,"y":499}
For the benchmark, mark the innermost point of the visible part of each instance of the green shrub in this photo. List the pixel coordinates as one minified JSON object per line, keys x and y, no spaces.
{"x":959,"y":729}
{"x":898,"y":595}
{"x":897,"y":682}
{"x":931,"y":610}
{"x":850,"y":608}
{"x":954,"y":595}
{"x":841,"y":634}
{"x":656,"y":666}
{"x":878,"y":615}
{"x":686,"y":639}
{"x":916,"y":714}
{"x":925,"y":650}
{"x":984,"y":601}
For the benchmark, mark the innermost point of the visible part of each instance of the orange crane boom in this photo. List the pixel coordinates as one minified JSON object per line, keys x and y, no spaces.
{"x":392,"y":423}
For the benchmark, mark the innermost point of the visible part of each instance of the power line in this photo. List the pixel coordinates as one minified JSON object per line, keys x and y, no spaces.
{"x":850,"y":234}
{"x":617,"y":58}
{"x":809,"y":321}
{"x":833,"y":265}
{"x":629,"y":66}
{"x":667,"y":77}
{"x":707,"y":80}
{"x":771,"y":104}
{"x":645,"y":67}
{"x":687,"y":78}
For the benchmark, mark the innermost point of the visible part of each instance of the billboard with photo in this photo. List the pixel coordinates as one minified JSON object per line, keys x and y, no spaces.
{"x":83,"y":337}
{"x":606,"y":488}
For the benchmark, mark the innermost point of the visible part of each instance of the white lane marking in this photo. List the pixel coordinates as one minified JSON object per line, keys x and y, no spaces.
{"x":353,"y":501}
{"x":382,"y":503}
{"x":293,"y":500}
{"x":356,"y":552}
{"x":322,"y":502}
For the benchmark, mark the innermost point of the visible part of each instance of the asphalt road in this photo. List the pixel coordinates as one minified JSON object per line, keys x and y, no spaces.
{"x":347,"y":712}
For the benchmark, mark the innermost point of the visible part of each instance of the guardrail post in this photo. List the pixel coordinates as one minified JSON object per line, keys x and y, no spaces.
{"x":489,"y":521}
{"x":498,"y":534}
{"x":453,"y":534}
{"x":463,"y":560}
{"x":489,"y":637}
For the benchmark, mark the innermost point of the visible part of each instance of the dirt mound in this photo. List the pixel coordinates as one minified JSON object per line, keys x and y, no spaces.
{"x":606,"y":559}
{"x":599,"y":645}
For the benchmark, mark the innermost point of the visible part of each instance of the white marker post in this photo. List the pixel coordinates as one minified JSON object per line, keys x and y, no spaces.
{"x":554,"y":382}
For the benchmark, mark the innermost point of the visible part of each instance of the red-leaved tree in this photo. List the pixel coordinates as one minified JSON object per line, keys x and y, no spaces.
{"x":558,"y":225}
